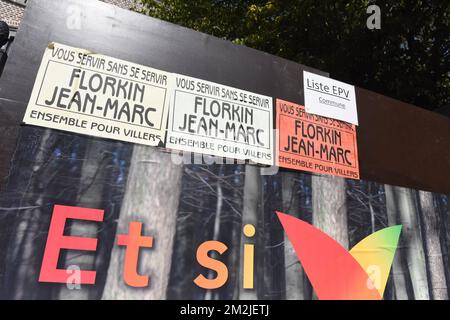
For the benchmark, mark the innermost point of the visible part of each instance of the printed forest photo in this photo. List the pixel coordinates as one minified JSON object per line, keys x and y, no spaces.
{"x":182,"y":206}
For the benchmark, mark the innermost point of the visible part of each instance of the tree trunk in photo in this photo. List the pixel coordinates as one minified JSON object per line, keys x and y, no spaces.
{"x":271,"y":249}
{"x":151,"y":197}
{"x":113,"y":194}
{"x":52,"y":156}
{"x":329,"y":207}
{"x":250,"y":215}
{"x":431,"y":231}
{"x":191,"y":211}
{"x":415,"y":255}
{"x":398,"y":272}
{"x":22,"y":272}
{"x":236,"y":232}
{"x":294,"y":270}
{"x":213,"y":294}
{"x":93,"y":181}
{"x":231,"y":191}
{"x":370,"y":195}
{"x":443,"y":205}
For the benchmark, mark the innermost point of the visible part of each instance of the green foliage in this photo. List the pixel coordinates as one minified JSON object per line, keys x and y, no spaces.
{"x":408,"y":59}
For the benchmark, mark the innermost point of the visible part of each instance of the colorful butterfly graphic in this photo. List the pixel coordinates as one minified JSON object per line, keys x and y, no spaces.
{"x":338,"y":274}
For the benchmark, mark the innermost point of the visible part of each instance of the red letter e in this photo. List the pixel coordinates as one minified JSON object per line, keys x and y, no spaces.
{"x":56,"y":241}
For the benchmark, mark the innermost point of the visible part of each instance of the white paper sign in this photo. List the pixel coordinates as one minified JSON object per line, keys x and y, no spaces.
{"x":213,"y":119}
{"x":329,"y":98}
{"x":88,"y":93}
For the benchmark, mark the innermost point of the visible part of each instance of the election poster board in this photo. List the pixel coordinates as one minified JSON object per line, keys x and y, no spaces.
{"x":84,"y":92}
{"x":316,"y":144}
{"x":218,"y":120}
{"x":109,"y":192}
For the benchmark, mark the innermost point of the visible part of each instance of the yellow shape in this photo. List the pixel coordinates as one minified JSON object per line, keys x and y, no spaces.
{"x":375,"y":254}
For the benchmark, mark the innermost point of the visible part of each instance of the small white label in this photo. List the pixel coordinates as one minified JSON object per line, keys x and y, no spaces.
{"x":329,"y":98}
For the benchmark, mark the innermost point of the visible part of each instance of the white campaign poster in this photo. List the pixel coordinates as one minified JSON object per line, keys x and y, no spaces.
{"x":329,"y":98}
{"x":218,"y":120}
{"x":84,"y":92}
